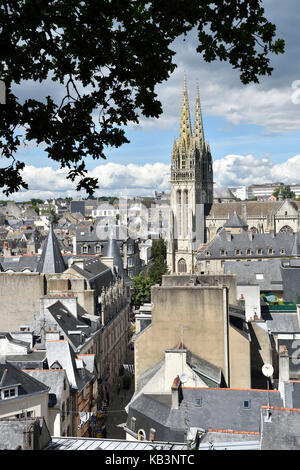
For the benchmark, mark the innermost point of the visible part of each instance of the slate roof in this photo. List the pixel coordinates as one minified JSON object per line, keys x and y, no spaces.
{"x":11,"y":375}
{"x":68,"y":323}
{"x":244,"y":241}
{"x":61,"y":352}
{"x":54,"y":379}
{"x":206,"y":408}
{"x":235,"y":221}
{"x":32,"y":360}
{"x":282,"y":430}
{"x":221,"y":192}
{"x":19,"y":263}
{"x":112,"y":250}
{"x":51,"y":260}
{"x":246,"y":271}
{"x":254,"y":208}
{"x":282,"y":322}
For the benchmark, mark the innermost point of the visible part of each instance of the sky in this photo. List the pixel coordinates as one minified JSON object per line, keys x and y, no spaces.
{"x":253,"y":130}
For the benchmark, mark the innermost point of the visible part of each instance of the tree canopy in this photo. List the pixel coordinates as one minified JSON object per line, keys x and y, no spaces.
{"x":108,"y":56}
{"x":158,"y":267}
{"x":286,"y":192}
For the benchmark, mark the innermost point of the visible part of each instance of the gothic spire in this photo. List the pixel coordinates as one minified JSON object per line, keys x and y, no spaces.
{"x":198,"y":133}
{"x":185,"y":133}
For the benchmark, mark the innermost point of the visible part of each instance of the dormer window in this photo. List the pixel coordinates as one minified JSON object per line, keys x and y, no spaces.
{"x":238,"y":252}
{"x":282,"y":251}
{"x":207,"y":253}
{"x":249,"y":251}
{"x":270,"y":251}
{"x":223,"y":252}
{"x":259,"y":251}
{"x":9,"y":393}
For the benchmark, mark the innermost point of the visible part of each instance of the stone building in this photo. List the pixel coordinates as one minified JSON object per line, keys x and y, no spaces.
{"x":198,"y":212}
{"x":191,"y":190}
{"x":206,"y":318}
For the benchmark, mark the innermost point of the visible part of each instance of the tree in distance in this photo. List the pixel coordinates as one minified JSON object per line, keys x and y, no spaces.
{"x":107,"y":57}
{"x":286,"y":192}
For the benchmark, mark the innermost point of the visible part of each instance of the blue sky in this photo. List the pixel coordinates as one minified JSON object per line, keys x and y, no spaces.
{"x":253,"y":130}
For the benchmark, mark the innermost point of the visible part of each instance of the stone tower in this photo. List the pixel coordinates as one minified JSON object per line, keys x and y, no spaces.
{"x":191,"y":189}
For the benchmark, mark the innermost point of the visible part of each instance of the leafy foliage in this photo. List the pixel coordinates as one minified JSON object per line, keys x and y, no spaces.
{"x":142,"y":283}
{"x":285,"y":192}
{"x":141,"y":290}
{"x":108,"y":56}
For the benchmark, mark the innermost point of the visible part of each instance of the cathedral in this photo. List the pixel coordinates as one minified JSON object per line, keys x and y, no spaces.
{"x":191,"y":195}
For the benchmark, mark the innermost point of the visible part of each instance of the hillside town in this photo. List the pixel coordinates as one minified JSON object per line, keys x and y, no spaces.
{"x":166,"y":322}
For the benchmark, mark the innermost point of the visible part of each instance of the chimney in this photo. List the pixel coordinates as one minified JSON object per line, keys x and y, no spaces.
{"x":78,"y":262}
{"x":176,"y":388}
{"x":244,"y":213}
{"x":228,"y":236}
{"x":284,"y":369}
{"x":109,"y":261}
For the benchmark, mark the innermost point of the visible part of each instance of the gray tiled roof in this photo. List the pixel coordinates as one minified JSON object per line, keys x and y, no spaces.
{"x":235,"y":221}
{"x":67,"y":322}
{"x":219,"y":409}
{"x":282,"y":322}
{"x":246,"y":271}
{"x":11,"y":375}
{"x":53,"y":378}
{"x":282,"y":430}
{"x":247,"y":240}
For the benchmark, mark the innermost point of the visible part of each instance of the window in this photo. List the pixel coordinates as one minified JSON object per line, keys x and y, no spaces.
{"x":238,"y":252}
{"x":207,"y":264}
{"x":259,"y":276}
{"x":223,"y":252}
{"x":282,"y":251}
{"x":8,"y":393}
{"x":259,"y":251}
{"x":84,"y":249}
{"x":198,"y":401}
{"x":286,"y":229}
{"x":152,"y":434}
{"x":247,"y":404}
{"x":182,"y":266}
{"x":270,"y":251}
{"x":141,"y":435}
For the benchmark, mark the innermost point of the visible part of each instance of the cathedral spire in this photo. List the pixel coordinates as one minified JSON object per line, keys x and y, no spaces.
{"x":185,"y":133}
{"x":198,"y":133}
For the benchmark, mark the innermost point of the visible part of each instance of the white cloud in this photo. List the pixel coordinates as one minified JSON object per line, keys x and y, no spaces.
{"x":116,"y":179}
{"x":243,"y":170}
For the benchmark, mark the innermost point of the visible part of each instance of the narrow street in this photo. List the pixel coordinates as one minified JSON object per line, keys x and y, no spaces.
{"x":116,"y":416}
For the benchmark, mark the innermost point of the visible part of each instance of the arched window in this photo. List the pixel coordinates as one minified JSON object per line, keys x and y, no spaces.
{"x":84,"y":249}
{"x":141,"y":435}
{"x":182,"y":266}
{"x":286,"y":229}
